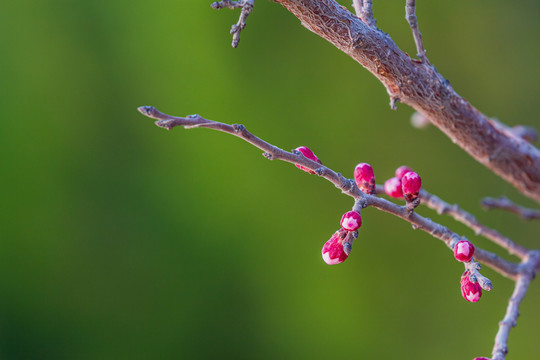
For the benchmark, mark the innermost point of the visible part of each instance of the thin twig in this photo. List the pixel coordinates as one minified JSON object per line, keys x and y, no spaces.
{"x":367,"y":13}
{"x":464,"y":217}
{"x":347,"y":186}
{"x":506,"y":204}
{"x":358,"y":5}
{"x":410,"y":11}
{"x":247,"y":8}
{"x":530,"y":267}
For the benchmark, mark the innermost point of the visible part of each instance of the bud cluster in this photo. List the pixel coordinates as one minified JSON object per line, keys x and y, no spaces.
{"x":337,"y":249}
{"x":406,"y":184}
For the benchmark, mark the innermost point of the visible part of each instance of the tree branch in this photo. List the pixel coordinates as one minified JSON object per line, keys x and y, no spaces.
{"x":442,"y":207}
{"x":505,"y":204}
{"x":347,"y":186}
{"x":527,"y":273}
{"x":247,"y":8}
{"x":424,"y":89}
{"x":410,"y":15}
{"x":522,"y":273}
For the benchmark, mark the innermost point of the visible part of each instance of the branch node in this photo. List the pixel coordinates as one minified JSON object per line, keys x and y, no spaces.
{"x":320,"y":171}
{"x":239,"y":128}
{"x":527,"y":133}
{"x":268,"y":156}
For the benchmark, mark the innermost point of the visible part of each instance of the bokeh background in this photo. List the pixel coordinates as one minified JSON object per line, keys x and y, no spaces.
{"x":120,"y":240}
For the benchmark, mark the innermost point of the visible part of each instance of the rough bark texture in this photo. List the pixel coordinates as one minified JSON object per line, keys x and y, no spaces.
{"x":420,"y":86}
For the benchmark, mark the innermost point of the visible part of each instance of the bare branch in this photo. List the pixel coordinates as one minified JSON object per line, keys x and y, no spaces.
{"x":247,"y":8}
{"x":529,"y":269}
{"x":367,"y":13}
{"x":410,"y":11}
{"x":358,"y":5}
{"x":464,"y":217}
{"x":423,"y":88}
{"x":505,"y":204}
{"x":347,"y":186}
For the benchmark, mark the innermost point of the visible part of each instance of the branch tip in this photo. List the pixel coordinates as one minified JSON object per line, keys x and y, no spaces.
{"x":504,"y":203}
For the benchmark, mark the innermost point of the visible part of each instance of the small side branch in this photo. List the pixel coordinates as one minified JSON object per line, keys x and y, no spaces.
{"x":410,"y":11}
{"x":466,"y":218}
{"x":367,"y":13}
{"x":358,"y":5}
{"x":247,"y":8}
{"x":505,"y":204}
{"x":527,"y":273}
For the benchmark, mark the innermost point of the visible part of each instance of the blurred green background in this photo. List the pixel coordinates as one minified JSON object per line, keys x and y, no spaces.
{"x":121,"y":240}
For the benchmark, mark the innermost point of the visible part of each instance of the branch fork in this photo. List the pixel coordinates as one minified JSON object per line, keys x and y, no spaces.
{"x":247,"y":8}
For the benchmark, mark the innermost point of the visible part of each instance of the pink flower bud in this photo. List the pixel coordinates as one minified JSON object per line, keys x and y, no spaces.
{"x":392,"y":187}
{"x":470,"y":292}
{"x":364,"y":177}
{"x":482,"y":358}
{"x":402,"y":170}
{"x":333,"y":251}
{"x":351,"y":221}
{"x":464,"y":251}
{"x":411,"y":184}
{"x":310,"y":155}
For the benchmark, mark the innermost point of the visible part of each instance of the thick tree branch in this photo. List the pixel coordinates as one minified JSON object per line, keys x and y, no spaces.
{"x":505,"y":204}
{"x":347,"y":186}
{"x":420,"y":86}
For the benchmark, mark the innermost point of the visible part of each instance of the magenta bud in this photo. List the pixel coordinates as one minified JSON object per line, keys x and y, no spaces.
{"x":365,"y":178}
{"x":470,"y":292}
{"x":351,"y":221}
{"x":402,"y":170}
{"x":481,"y":358}
{"x":392,"y":187}
{"x":310,"y":155}
{"x":411,"y":184}
{"x":464,"y":251}
{"x":333,"y":251}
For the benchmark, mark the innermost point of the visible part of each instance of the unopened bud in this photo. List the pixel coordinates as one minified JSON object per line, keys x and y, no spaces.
{"x":464,"y":251}
{"x":365,"y":178}
{"x":351,"y":221}
{"x":392,"y":187}
{"x":402,"y":170}
{"x":333,"y":251}
{"x":411,"y":184}
{"x":470,"y":292}
{"x":308,"y":154}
